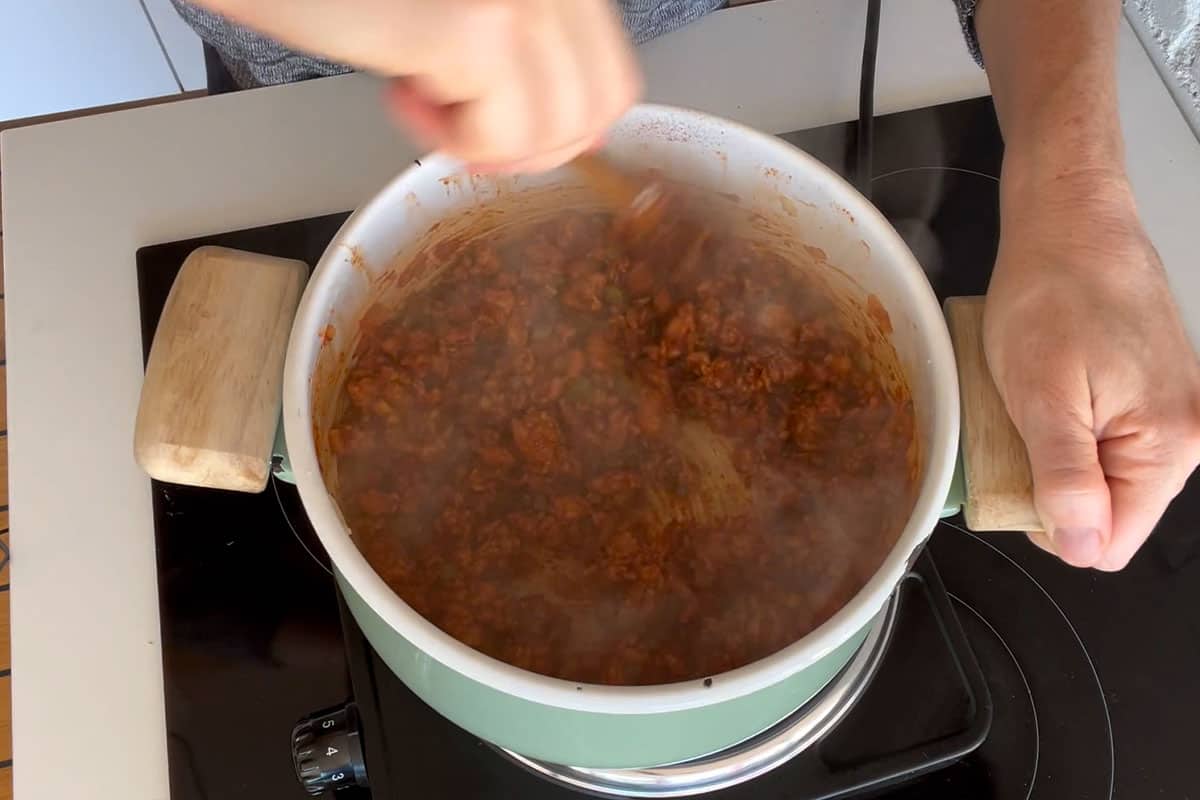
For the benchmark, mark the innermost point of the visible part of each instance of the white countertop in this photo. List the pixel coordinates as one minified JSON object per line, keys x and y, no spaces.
{"x":81,"y":196}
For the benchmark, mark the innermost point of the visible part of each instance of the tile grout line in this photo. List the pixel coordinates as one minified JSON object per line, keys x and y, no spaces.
{"x":161,"y":46}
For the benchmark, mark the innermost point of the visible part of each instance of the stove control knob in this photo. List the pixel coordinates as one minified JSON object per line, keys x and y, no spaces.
{"x":327,"y":750}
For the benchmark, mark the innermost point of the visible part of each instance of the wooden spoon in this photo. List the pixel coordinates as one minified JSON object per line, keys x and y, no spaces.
{"x":640,"y":203}
{"x":716,"y":492}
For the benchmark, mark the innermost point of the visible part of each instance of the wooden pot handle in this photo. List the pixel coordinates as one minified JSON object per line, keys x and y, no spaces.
{"x":213,"y":390}
{"x":998,"y":481}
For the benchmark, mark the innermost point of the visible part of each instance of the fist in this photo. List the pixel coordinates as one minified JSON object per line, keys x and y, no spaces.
{"x":1088,"y":351}
{"x":521,"y":85}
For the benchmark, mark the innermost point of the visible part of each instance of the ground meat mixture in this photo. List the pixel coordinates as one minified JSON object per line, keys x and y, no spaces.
{"x":620,"y":468}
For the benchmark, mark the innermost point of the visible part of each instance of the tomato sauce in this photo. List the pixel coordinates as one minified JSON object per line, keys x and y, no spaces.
{"x":516,"y":451}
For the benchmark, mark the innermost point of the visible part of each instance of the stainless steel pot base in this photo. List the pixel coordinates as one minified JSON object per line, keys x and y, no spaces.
{"x":753,"y":757}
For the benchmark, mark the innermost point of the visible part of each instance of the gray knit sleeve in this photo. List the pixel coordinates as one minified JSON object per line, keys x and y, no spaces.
{"x":966,"y":16}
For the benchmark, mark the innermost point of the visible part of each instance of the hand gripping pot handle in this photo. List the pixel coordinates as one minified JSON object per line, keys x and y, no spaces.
{"x":210,"y":404}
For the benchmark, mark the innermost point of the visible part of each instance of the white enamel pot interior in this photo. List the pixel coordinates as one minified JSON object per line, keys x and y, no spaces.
{"x":802,"y":203}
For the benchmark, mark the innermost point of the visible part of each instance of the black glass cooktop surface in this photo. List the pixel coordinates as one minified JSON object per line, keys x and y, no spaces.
{"x":1094,"y":679}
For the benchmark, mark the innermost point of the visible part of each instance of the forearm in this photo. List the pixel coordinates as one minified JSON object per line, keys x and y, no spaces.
{"x":1052,"y":68}
{"x":389,"y":37}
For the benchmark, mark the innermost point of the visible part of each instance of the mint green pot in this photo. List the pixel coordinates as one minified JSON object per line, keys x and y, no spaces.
{"x":618,"y":726}
{"x":590,"y":739}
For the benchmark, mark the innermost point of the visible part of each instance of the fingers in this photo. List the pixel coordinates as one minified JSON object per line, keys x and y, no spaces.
{"x":543,"y":87}
{"x":617,"y":81}
{"x":427,"y":121}
{"x":1069,"y":486}
{"x":542,"y":161}
{"x":1144,"y":477}
{"x":1042,"y":541}
{"x":1101,"y":500}
{"x":1136,"y":509}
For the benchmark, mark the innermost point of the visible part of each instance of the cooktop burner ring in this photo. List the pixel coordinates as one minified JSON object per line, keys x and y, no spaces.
{"x":934,"y":168}
{"x":754,"y":757}
{"x":1087,"y":666}
{"x":287,"y":518}
{"x":1037,"y":731}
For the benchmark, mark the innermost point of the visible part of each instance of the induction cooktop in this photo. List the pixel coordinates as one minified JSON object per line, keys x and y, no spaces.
{"x":1090,"y":681}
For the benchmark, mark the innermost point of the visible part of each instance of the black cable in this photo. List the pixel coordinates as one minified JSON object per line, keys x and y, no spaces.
{"x":866,"y":102}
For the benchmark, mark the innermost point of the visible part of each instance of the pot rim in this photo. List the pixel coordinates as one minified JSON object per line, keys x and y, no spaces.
{"x":303,"y":349}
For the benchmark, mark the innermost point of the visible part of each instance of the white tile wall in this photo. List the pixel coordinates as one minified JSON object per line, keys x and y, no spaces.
{"x":61,"y":55}
{"x":1170,"y":32}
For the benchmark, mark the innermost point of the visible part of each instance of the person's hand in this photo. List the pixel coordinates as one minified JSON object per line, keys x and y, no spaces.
{"x":523,"y":85}
{"x":1088,"y":351}
{"x":518,"y":85}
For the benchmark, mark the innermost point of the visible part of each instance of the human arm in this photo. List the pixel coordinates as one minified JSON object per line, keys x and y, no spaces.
{"x":1082,"y":334}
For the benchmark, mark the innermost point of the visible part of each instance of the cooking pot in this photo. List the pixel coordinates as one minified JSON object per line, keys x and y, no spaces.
{"x":217,"y":382}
